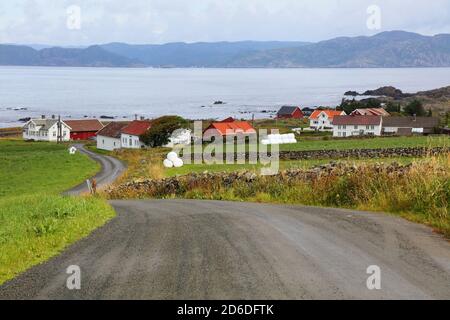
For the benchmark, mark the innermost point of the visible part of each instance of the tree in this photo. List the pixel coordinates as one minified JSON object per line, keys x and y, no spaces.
{"x":161,"y":130}
{"x":351,"y":105}
{"x":415,"y":107}
{"x":392,"y":107}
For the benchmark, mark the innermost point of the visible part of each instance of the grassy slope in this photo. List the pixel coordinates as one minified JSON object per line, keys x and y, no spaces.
{"x":29,"y":167}
{"x":35,"y":222}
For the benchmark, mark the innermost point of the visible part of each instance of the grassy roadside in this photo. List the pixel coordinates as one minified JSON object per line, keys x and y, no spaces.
{"x":36,"y":222}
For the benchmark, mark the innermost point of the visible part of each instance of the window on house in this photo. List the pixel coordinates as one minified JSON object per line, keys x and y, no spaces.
{"x":344,"y":127}
{"x":372,"y":127}
{"x":356,"y":127}
{"x":344,"y":134}
{"x":54,"y":133}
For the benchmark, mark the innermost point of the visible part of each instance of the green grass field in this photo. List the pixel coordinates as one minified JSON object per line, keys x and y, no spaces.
{"x":36,"y":222}
{"x":30,"y":167}
{"x":369,"y":143}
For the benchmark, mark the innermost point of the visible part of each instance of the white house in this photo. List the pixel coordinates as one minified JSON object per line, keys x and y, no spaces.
{"x":130,"y":135}
{"x":322,"y":120}
{"x":45,"y":130}
{"x":109,"y":138}
{"x":179,"y":137}
{"x":351,"y":126}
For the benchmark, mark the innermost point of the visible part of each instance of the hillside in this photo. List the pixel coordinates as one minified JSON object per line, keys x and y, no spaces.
{"x":393,"y":49}
{"x":93,"y":56}
{"x":201,"y":54}
{"x":387,"y":49}
{"x":437,"y":100}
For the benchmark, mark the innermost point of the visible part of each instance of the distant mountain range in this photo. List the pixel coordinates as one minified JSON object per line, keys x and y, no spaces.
{"x":387,"y":49}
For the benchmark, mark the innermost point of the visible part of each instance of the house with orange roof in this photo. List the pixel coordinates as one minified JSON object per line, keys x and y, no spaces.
{"x":322,"y":120}
{"x":130,"y":135}
{"x":229,"y":127}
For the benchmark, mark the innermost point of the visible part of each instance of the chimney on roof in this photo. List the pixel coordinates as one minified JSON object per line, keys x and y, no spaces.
{"x":43,"y":116}
{"x":53,"y":116}
{"x":135,"y":117}
{"x":414,"y":117}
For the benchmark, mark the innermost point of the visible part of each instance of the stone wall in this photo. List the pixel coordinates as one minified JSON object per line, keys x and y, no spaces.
{"x":359,"y":153}
{"x":362,"y":153}
{"x":178,"y":185}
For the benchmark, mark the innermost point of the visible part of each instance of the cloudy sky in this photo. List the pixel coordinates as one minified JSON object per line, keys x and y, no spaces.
{"x":160,"y":21}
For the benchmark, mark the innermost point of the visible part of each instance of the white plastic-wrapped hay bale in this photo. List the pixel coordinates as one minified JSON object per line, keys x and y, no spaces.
{"x":178,"y":163}
{"x":172,"y":156}
{"x":291,"y":138}
{"x":167,"y":163}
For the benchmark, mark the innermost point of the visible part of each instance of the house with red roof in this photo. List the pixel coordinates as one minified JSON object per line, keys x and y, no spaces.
{"x":322,"y":120}
{"x":108,"y":138}
{"x":229,"y":127}
{"x":289,"y":112}
{"x":130,"y":135}
{"x":84,"y":129}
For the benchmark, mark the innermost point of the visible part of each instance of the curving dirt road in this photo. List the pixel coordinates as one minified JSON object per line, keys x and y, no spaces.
{"x":181,"y":249}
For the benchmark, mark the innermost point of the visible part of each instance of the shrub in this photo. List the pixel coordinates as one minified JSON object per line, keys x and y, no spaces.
{"x":161,"y":130}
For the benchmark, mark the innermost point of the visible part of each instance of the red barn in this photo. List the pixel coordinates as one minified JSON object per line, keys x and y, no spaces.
{"x":84,"y":129}
{"x":287,"y":112}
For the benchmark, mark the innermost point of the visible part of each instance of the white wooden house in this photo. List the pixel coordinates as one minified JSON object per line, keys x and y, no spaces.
{"x":322,"y":120}
{"x":45,"y":130}
{"x":130,"y":135}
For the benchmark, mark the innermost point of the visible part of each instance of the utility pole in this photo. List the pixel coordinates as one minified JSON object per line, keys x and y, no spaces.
{"x":59,"y":138}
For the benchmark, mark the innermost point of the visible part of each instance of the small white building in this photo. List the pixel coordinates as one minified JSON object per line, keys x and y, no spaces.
{"x":322,"y":120}
{"x":351,"y":126}
{"x":130,"y":135}
{"x":179,"y":137}
{"x":45,"y":130}
{"x":109,"y":138}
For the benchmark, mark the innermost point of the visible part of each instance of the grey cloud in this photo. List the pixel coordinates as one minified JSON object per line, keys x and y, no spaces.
{"x":157,"y":21}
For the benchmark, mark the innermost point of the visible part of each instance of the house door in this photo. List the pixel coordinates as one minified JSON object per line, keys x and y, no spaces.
{"x":131,"y":142}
